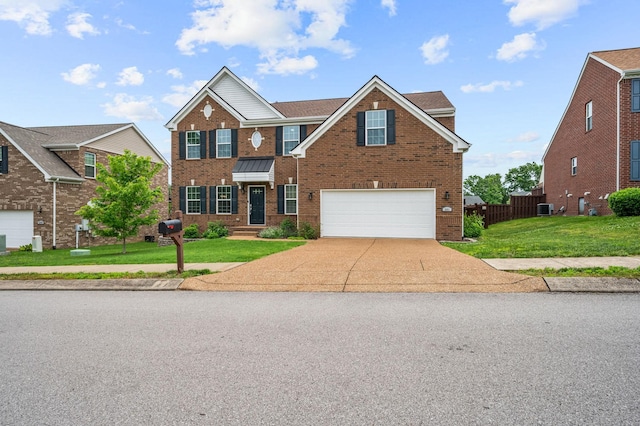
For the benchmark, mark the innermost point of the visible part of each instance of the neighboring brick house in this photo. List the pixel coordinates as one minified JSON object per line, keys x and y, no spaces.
{"x":377,"y":164}
{"x":595,"y":149}
{"x":48,"y":173}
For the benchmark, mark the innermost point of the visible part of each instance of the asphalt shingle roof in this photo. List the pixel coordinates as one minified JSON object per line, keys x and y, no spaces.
{"x":624,"y":59}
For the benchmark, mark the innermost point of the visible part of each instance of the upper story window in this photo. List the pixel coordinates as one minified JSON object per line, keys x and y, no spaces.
{"x":290,"y":138}
{"x":4,"y":160}
{"x":193,"y":200}
{"x":589,"y":116}
{"x":376,"y":127}
{"x":89,"y":165}
{"x":574,"y":166}
{"x":193,"y":144}
{"x":635,"y":95}
{"x":223,"y":199}
{"x":290,"y":199}
{"x":223,"y":143}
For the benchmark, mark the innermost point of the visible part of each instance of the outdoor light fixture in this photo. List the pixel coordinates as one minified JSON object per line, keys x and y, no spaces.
{"x":446,"y":195}
{"x":311,"y":195}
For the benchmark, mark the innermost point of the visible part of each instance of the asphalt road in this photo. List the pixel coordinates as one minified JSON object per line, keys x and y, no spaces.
{"x":80,"y":358}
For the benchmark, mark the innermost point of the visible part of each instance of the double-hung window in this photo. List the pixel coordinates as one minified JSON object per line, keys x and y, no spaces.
{"x":223,"y":143}
{"x":290,"y":138}
{"x":376,"y":127}
{"x":291,"y":199}
{"x":574,"y":166}
{"x":589,"y":116}
{"x":89,"y":165}
{"x":223,"y":199}
{"x":3,"y":159}
{"x":635,"y":95}
{"x":193,"y":200}
{"x":193,"y":144}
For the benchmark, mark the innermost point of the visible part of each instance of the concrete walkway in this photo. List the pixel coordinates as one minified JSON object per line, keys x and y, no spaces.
{"x":351,"y":265}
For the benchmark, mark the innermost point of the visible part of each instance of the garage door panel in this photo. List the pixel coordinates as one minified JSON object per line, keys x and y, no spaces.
{"x":17,"y":225}
{"x":378,"y":213}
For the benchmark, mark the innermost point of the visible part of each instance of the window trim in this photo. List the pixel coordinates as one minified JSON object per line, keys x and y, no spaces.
{"x":574,"y":166}
{"x":383,"y":112}
{"x":588,"y":112}
{"x":3,"y":148}
{"x":225,"y":143}
{"x":635,"y":95}
{"x":285,"y":140}
{"x":188,"y":200}
{"x":219,"y":200}
{"x":286,"y":198}
{"x":189,"y":144}
{"x":89,"y":165}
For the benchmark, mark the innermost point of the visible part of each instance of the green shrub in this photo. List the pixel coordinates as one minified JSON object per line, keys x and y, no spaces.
{"x":26,"y":247}
{"x":192,"y":231}
{"x":272,"y":232}
{"x":473,"y":225}
{"x":625,"y":202}
{"x":307,"y":231}
{"x":289,"y":228}
{"x":216,"y":230}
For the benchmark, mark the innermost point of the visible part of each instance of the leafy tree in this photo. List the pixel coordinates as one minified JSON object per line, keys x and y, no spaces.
{"x":523,"y":178}
{"x":489,"y":188}
{"x":124,"y":197}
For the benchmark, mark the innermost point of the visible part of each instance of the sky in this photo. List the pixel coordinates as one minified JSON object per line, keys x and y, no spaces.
{"x":508,"y":66}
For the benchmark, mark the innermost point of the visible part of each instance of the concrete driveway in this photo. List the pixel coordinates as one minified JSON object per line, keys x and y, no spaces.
{"x":367,"y":265}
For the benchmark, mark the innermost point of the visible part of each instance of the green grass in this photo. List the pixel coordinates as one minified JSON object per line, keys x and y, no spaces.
{"x":205,"y":251}
{"x":611,"y":271}
{"x":558,"y":236}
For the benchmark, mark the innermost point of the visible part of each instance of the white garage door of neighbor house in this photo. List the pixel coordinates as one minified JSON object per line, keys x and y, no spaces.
{"x":17,"y":225}
{"x":372,"y":213}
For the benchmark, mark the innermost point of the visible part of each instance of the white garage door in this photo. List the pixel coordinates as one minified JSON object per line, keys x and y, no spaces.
{"x":392,"y":213}
{"x":17,"y":225}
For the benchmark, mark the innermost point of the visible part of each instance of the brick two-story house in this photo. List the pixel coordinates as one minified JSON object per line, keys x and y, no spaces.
{"x":48,"y":173}
{"x":377,"y":164}
{"x":595,"y":149}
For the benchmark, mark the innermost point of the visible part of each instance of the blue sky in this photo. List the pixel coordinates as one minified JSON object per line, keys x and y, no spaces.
{"x":508,"y":66}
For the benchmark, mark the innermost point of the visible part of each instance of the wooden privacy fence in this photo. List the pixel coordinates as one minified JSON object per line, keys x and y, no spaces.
{"x":519,"y":207}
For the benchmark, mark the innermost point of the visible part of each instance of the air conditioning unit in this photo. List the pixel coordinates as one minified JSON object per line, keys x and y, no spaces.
{"x":545,"y":209}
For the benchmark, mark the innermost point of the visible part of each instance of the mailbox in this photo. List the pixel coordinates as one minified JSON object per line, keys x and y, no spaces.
{"x":170,"y":226}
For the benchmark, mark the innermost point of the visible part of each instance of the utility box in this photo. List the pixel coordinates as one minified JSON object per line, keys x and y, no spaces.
{"x":36,"y":244}
{"x":3,"y":243}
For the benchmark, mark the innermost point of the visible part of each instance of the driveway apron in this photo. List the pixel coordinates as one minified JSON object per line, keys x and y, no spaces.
{"x":367,"y":265}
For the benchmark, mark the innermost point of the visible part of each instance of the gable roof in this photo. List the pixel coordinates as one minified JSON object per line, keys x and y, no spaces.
{"x":38,"y":145}
{"x":459,"y":144}
{"x":626,"y":62}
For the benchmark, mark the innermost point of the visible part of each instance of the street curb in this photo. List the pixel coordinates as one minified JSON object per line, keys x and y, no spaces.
{"x":594,"y":285}
{"x":142,"y":284}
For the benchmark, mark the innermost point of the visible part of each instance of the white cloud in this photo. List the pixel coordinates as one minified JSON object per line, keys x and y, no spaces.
{"x":77,"y":25}
{"x":32,"y":15}
{"x":82,"y":74}
{"x":491,"y":87}
{"x":286,"y":66}
{"x":175,"y":73}
{"x":525,"y":137}
{"x":493,"y":160}
{"x":182,"y":94}
{"x":435,"y":50}
{"x":251,"y":83}
{"x":519,"y":47}
{"x":132,"y":109}
{"x":543,"y":13}
{"x":130,"y":77}
{"x":391,"y":5}
{"x":277,"y":29}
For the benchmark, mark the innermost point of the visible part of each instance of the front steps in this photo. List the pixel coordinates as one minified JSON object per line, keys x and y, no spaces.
{"x":245,"y":231}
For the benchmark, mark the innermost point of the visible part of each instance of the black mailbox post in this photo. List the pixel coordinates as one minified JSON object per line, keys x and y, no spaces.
{"x":173,"y":229}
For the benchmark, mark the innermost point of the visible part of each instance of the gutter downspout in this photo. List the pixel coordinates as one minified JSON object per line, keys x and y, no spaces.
{"x":618,"y":133}
{"x":54,"y":212}
{"x":298,"y":193}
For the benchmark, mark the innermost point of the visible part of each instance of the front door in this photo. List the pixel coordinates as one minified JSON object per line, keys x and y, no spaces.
{"x":256,"y":205}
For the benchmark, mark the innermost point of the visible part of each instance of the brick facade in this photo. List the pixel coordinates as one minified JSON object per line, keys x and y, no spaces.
{"x":421,"y":158}
{"x":24,"y":188}
{"x":596,"y":150}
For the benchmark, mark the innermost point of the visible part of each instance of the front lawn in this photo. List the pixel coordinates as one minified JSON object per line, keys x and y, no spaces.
{"x":557,"y":236}
{"x":204,"y":251}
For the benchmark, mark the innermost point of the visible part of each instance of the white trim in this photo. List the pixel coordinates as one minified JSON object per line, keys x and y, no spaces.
{"x":289,"y":199}
{"x":459,"y":145}
{"x":186,"y":200}
{"x":230,"y":200}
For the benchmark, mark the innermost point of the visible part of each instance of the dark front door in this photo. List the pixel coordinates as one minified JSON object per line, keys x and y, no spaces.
{"x":256,"y":205}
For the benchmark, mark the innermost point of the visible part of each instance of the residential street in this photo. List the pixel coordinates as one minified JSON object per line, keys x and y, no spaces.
{"x":90,"y":357}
